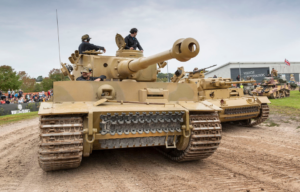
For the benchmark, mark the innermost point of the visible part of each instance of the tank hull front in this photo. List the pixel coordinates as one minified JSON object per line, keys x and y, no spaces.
{"x":237,"y":109}
{"x":162,"y":115}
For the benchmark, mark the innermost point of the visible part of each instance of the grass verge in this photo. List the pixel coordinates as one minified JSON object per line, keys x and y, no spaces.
{"x":289,"y":106}
{"x":17,"y":117}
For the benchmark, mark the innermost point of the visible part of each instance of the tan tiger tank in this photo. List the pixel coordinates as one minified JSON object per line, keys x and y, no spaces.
{"x":236,"y":107}
{"x":128,"y":109}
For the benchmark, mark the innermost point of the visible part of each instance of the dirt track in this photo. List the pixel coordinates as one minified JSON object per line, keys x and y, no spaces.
{"x":249,"y":159}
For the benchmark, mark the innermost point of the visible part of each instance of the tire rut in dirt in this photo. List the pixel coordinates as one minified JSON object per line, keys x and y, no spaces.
{"x":262,"y":157}
{"x":263,"y":173}
{"x":205,"y":174}
{"x":153,"y":176}
{"x":61,"y":142}
{"x":256,"y":161}
{"x":17,"y":164}
{"x":280,"y":149}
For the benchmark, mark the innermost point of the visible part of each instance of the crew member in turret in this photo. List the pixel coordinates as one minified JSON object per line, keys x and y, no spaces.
{"x":274,"y":73}
{"x":85,"y":76}
{"x":86,"y":45}
{"x":91,"y":78}
{"x":131,"y":41}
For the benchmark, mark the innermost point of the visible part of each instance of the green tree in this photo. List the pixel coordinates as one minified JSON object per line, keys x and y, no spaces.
{"x":56,"y":75}
{"x":27,"y":82}
{"x":47,"y":84}
{"x":163,"y":77}
{"x":38,"y":87}
{"x":9,"y":78}
{"x":39,"y":79}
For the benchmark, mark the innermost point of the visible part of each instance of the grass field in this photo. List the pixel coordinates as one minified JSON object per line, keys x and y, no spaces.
{"x":287,"y":106}
{"x":17,"y":117}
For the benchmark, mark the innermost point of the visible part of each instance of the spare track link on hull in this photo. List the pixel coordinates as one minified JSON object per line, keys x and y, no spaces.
{"x":262,"y":116}
{"x":204,"y":140}
{"x":61,"y":142}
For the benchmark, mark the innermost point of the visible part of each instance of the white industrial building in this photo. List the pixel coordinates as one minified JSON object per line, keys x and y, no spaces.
{"x":257,"y":70}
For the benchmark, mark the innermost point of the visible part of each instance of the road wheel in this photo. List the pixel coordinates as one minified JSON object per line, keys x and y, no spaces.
{"x":287,"y":93}
{"x":278,"y":94}
{"x":274,"y":95}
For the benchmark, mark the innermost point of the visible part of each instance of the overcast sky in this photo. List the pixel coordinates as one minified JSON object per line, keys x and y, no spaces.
{"x":227,"y":31}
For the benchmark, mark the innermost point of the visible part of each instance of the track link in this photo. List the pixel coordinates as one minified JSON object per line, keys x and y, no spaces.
{"x":264,"y":114}
{"x":61,"y":142}
{"x":204,"y":140}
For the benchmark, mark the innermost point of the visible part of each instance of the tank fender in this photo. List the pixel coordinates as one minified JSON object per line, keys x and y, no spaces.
{"x":199,"y":106}
{"x":263,"y":99}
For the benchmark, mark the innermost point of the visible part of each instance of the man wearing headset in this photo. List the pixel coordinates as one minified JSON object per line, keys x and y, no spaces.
{"x":86,"y":76}
{"x":131,"y":41}
{"x":85,"y":45}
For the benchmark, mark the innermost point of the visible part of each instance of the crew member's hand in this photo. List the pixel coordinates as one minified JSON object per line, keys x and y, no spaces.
{"x":97,"y":79}
{"x":142,"y":51}
{"x":104,"y":50}
{"x":131,"y":48}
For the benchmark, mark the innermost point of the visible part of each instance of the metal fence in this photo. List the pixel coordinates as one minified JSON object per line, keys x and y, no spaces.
{"x":8,"y":109}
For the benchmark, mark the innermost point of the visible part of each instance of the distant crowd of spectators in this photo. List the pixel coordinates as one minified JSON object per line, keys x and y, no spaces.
{"x":15,"y":97}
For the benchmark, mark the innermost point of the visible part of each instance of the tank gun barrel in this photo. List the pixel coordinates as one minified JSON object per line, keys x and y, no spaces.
{"x":248,"y":81}
{"x":218,"y":83}
{"x":199,"y":70}
{"x":182,"y":50}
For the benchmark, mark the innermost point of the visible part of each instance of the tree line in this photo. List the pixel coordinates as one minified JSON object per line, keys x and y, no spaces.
{"x":164,"y":77}
{"x":11,"y":79}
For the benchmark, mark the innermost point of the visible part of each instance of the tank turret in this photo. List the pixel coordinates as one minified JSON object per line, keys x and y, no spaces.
{"x":206,"y":83}
{"x":220,"y":83}
{"x":130,"y":64}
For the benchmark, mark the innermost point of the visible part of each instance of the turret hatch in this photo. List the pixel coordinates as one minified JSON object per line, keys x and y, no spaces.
{"x":120,"y":41}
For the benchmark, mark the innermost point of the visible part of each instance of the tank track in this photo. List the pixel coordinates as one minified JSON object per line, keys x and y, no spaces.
{"x":204,"y":140}
{"x":280,"y":94}
{"x":264,"y":114}
{"x":61,"y":142}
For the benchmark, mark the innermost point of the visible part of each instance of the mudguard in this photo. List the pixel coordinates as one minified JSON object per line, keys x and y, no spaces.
{"x":263,"y":99}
